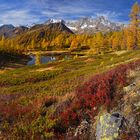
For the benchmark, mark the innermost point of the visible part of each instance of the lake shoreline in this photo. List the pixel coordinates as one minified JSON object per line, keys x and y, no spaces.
{"x":9,"y":62}
{"x":47,"y":52}
{"x":55,"y":52}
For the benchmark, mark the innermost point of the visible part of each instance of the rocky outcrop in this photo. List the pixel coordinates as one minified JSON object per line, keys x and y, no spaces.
{"x":109,"y":125}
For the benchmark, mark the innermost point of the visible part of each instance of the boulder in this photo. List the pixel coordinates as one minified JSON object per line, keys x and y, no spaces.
{"x":108,"y":126}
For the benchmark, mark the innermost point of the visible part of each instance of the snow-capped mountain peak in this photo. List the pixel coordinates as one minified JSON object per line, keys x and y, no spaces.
{"x":93,"y":25}
{"x":54,"y":21}
{"x":89,"y":25}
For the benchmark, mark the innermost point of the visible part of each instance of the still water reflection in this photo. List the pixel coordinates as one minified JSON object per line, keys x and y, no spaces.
{"x":41,"y":59}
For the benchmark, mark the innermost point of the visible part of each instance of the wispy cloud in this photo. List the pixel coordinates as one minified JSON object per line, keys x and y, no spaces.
{"x":18,"y":17}
{"x":109,"y":15}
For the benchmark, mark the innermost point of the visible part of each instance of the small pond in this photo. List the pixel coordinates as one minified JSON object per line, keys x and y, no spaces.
{"x":42,"y":59}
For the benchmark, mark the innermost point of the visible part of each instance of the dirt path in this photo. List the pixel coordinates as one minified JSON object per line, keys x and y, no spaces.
{"x":45,"y":69}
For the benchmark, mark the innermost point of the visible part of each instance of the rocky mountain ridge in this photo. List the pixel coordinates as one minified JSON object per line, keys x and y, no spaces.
{"x":90,"y":25}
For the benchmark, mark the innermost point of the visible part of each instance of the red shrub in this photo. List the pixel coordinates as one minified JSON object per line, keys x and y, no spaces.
{"x":70,"y":117}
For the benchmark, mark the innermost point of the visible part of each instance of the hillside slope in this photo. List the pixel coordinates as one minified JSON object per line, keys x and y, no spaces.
{"x":40,"y":32}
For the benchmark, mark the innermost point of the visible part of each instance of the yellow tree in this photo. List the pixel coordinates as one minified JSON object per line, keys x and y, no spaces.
{"x":67,"y":43}
{"x":129,"y":39}
{"x":106,"y":44}
{"x":44,"y":44}
{"x":123,"y":39}
{"x":74,"y":44}
{"x":116,"y":41}
{"x":38,"y":59}
{"x":33,"y":44}
{"x":135,"y":22}
{"x":2,"y":43}
{"x":99,"y":42}
{"x":59,"y":41}
{"x":2,"y":40}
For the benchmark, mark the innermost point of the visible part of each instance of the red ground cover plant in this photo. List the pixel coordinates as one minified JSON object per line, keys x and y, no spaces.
{"x":100,"y":90}
{"x":14,"y":111}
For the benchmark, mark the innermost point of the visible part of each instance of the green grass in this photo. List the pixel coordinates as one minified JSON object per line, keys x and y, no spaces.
{"x":63,"y":78}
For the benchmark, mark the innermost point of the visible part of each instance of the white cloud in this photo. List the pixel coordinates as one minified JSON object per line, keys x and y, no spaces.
{"x":18,"y":17}
{"x":109,"y":14}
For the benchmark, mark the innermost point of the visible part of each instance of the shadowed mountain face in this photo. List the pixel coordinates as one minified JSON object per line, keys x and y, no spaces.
{"x":11,"y":31}
{"x":6,"y":30}
{"x":19,"y":30}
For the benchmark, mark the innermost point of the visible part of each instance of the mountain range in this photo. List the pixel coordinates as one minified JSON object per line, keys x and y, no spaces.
{"x":86,"y":25}
{"x":90,"y":25}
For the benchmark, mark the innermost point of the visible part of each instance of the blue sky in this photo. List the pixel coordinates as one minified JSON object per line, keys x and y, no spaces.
{"x":27,"y":12}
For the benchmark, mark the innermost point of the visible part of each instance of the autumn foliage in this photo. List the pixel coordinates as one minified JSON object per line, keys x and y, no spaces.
{"x":100,"y":90}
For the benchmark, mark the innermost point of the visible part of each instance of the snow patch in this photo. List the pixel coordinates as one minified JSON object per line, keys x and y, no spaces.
{"x":92,"y":26}
{"x":84,"y":26}
{"x":72,"y":28}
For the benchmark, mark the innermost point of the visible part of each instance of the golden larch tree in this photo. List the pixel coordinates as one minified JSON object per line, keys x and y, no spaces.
{"x":135,"y":23}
